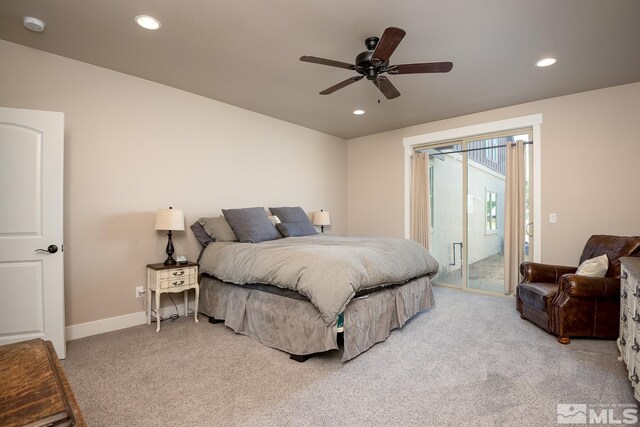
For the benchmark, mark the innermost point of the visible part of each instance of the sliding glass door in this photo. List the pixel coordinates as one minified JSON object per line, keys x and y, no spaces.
{"x":446,"y":168}
{"x":467,"y":194}
{"x":486,"y":170}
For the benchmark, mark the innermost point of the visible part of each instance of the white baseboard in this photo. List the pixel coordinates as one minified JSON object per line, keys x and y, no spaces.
{"x":101,"y":326}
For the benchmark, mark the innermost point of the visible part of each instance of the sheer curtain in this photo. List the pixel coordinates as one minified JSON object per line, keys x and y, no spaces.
{"x":420,"y":209}
{"x":514,"y":216}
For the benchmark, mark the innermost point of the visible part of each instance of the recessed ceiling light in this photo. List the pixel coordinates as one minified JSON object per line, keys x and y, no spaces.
{"x":33,"y":24}
{"x":148,"y":22}
{"x":546,"y":62}
{"x":358,"y":112}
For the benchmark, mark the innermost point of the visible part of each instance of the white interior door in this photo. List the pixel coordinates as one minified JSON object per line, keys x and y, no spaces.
{"x":31,"y":185}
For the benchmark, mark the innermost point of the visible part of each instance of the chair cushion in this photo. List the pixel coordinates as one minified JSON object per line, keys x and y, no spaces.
{"x":537,"y":295}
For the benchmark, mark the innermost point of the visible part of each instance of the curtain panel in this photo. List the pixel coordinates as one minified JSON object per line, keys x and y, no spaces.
{"x":514,"y":216}
{"x":420,"y":209}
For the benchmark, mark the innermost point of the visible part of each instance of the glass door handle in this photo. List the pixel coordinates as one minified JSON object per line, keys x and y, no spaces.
{"x":526,"y":229}
{"x":454,"y":252}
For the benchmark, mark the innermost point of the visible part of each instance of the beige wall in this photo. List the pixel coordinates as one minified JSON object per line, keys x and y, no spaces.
{"x":589,"y":157}
{"x":133,"y":146}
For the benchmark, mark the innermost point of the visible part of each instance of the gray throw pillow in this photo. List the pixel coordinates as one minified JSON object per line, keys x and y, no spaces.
{"x":251,"y":225}
{"x":218,"y":228}
{"x":290,"y":229}
{"x":295,"y":215}
{"x":201,"y":234}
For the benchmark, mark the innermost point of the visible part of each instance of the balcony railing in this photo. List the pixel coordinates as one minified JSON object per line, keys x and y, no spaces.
{"x":495,"y":158}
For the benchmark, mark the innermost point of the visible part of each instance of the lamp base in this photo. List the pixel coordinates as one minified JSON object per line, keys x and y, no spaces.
{"x":170,"y":260}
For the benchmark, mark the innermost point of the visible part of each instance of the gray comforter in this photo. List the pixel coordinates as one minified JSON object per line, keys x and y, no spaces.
{"x":328,"y":270}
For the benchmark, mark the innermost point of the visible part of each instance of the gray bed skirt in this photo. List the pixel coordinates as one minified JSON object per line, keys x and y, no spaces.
{"x":295,"y":325}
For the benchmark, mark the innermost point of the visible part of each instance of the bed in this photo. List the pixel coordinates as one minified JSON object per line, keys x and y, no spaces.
{"x":303,"y":292}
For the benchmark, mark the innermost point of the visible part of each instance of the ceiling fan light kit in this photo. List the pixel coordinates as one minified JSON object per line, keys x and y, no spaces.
{"x":374,"y":62}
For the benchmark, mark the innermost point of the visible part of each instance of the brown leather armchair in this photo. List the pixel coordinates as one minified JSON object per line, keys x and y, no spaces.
{"x":569,"y":305}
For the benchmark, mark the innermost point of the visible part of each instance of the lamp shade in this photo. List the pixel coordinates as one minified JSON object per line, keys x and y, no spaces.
{"x":322,"y":218}
{"x":170,"y":219}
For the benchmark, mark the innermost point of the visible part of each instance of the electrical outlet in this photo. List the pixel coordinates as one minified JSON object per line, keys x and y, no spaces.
{"x":139,"y":291}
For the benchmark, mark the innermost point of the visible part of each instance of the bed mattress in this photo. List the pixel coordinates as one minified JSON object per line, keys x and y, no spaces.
{"x":328,"y":270}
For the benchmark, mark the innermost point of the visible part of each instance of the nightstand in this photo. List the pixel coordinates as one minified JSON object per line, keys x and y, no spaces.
{"x":171,"y":279}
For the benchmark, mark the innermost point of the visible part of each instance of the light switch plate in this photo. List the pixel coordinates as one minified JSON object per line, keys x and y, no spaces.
{"x":553,"y":218}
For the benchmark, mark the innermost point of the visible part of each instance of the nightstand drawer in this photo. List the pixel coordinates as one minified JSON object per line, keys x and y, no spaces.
{"x":177,"y":272}
{"x":175,"y":282}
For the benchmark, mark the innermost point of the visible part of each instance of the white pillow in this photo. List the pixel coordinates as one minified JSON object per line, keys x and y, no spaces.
{"x":274,"y":220}
{"x":594,"y":267}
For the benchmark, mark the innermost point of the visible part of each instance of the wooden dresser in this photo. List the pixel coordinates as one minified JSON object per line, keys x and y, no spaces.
{"x":629,"y":338}
{"x":33,"y":387}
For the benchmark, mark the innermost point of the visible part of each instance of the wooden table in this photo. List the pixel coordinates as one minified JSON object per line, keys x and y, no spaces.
{"x":34,"y":390}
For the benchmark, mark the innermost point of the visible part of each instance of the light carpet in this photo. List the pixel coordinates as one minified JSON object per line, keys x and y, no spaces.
{"x":469,"y":360}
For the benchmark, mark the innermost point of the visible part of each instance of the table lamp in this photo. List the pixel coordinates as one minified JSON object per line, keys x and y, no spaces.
{"x":170,"y":219}
{"x":321,"y":218}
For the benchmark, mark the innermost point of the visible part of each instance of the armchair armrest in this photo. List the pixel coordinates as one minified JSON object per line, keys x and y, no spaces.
{"x":590,"y":287}
{"x":544,"y":273}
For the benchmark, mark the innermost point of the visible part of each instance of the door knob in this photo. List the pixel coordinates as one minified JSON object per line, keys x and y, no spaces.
{"x":52,"y":249}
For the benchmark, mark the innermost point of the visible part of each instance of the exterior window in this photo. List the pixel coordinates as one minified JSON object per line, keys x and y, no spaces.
{"x":491,"y":212}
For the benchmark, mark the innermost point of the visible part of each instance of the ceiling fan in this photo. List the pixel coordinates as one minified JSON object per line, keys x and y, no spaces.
{"x":374,"y":62}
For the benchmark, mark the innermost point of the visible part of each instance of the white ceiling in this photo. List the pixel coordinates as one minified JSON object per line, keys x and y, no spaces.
{"x":245,"y":52}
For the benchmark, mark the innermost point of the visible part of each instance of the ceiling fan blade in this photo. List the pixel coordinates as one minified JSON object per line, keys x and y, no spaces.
{"x":388,"y":43}
{"x":385,"y":86}
{"x":341,"y":85}
{"x":425,"y":67}
{"x":329,"y":62}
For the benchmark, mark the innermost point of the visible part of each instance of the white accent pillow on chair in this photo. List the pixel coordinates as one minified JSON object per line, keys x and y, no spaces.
{"x":594,"y":267}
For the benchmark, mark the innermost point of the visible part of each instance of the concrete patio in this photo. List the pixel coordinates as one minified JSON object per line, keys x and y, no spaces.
{"x":486,"y":274}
